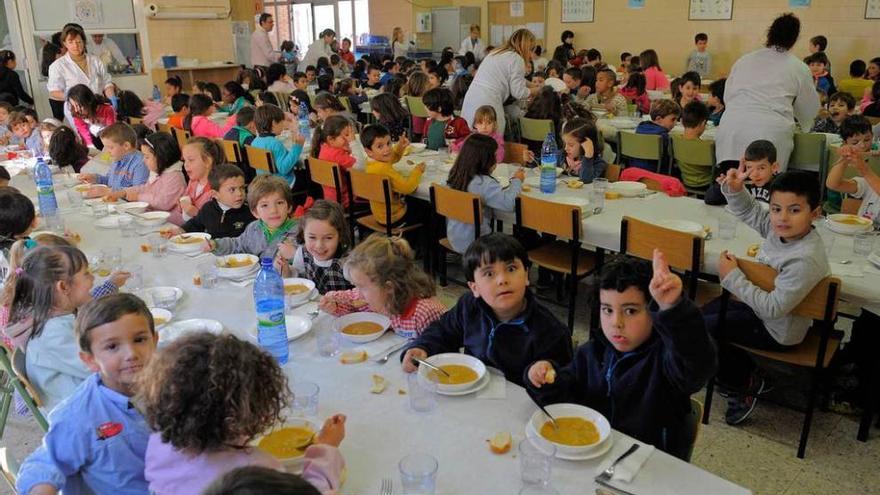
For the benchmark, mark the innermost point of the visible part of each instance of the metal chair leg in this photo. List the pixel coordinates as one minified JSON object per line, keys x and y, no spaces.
{"x":707,"y":402}
{"x":808,"y":417}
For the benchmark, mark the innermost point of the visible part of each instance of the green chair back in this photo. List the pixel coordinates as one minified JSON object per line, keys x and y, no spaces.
{"x":345,"y":102}
{"x":416,"y":107}
{"x":693,"y":151}
{"x":641,"y":146}
{"x":283,"y":99}
{"x":20,"y":386}
{"x":808,"y":153}
{"x":535,"y":129}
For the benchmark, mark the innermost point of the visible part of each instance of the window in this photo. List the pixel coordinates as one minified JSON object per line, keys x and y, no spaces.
{"x":346,"y":24}
{"x":362,"y":17}
{"x":303,"y":22}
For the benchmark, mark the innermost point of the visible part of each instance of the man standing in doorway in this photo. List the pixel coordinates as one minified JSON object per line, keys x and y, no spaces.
{"x":262,"y":53}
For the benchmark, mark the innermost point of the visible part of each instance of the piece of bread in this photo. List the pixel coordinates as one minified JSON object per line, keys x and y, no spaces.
{"x":753,"y":250}
{"x":612,"y":195}
{"x":574,"y":184}
{"x":550,"y":376}
{"x":353,"y":357}
{"x":379,"y":384}
{"x":500,"y":443}
{"x":526,"y":188}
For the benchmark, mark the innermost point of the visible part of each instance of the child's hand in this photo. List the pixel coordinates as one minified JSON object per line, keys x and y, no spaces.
{"x":403,"y":143}
{"x":119,"y":278}
{"x":43,"y":489}
{"x":415,"y":352}
{"x":588,"y":148}
{"x":96,"y":192}
{"x":131,"y":195}
{"x":286,"y":249}
{"x":328,"y":304}
{"x":529,"y":156}
{"x":170,"y":231}
{"x":665,"y":286}
{"x":299,"y":139}
{"x":333,"y":431}
{"x":207,"y":246}
{"x":88,"y":178}
{"x":519,"y":174}
{"x":609,"y":106}
{"x":421,"y":167}
{"x":538,"y":373}
{"x":735,"y":177}
{"x":726,"y":264}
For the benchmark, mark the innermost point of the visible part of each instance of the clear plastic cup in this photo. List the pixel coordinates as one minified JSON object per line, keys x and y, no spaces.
{"x":126,"y":226}
{"x":828,"y":239}
{"x":600,"y":184}
{"x":158,"y":245}
{"x":422,"y":391}
{"x":597,"y":201}
{"x":863,"y":243}
{"x":536,"y":460}
{"x":206,"y":275}
{"x":328,"y":341}
{"x":418,"y":474}
{"x":305,"y":399}
{"x":75,"y":198}
{"x":100,"y":210}
{"x":136,"y":281}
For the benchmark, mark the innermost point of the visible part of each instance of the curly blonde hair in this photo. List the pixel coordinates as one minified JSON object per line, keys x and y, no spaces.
{"x":390,"y":262}
{"x":205,"y":391}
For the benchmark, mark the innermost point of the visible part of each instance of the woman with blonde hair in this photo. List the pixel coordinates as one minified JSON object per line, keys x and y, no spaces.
{"x":399,"y":47}
{"x":502,"y":74}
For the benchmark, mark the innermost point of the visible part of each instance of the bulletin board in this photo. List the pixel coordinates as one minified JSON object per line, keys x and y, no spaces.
{"x":502,"y":24}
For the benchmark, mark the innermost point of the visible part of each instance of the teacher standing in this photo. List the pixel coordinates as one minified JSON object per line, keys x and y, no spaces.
{"x":78,"y":67}
{"x":767,"y":90}
{"x":502,"y":74}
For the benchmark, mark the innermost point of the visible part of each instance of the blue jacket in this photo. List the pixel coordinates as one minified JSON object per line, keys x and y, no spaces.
{"x":644,"y":393}
{"x":509,"y":346}
{"x":649,"y":127}
{"x":285,"y":159}
{"x":591,"y":168}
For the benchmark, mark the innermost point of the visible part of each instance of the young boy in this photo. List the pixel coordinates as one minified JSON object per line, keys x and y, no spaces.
{"x":180,"y":106}
{"x":761,"y":167}
{"x":374,"y":78}
{"x":390,"y":69}
{"x":857,"y":83}
{"x":500,"y":321}
{"x":311,"y":75}
{"x":443,"y":127}
{"x":24,"y":133}
{"x":128,"y":167}
{"x":270,"y":122}
{"x":818,"y":63}
{"x":866,"y":184}
{"x":694,"y":117}
{"x":606,"y":97}
{"x":382,"y":156}
{"x":664,"y":113}
{"x":758,"y":318}
{"x":716,"y":100}
{"x":840,"y":106}
{"x":301,"y":81}
{"x":699,"y":60}
{"x":538,"y":78}
{"x":5,"y":132}
{"x":245,"y":129}
{"x":270,"y":200}
{"x":572,"y":78}
{"x":97,"y":440}
{"x":818,"y":44}
{"x":653,"y":353}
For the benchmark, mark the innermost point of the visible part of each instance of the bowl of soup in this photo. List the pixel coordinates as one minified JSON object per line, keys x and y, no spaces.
{"x":160,"y":316}
{"x":464,"y":371}
{"x":843,"y":223}
{"x":362,"y":327}
{"x":153,"y":218}
{"x":237,"y":265}
{"x":580,"y":429}
{"x":288,"y":442}
{"x":189,"y":242}
{"x":297,"y":290}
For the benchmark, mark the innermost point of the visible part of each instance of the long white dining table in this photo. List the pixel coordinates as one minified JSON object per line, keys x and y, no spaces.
{"x":381,"y":428}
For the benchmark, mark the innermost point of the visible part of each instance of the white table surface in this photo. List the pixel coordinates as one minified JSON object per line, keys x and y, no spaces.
{"x":380,"y":428}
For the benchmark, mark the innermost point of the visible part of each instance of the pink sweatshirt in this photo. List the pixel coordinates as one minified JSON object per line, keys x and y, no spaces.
{"x":203,"y":126}
{"x":655,"y":79}
{"x":153,"y":111}
{"x":499,"y":152}
{"x":163,"y":192}
{"x":104,"y":116}
{"x":199,"y":200}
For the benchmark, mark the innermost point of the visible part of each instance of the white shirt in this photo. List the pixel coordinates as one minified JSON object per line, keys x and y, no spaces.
{"x":64,"y":74}
{"x":501,"y":75}
{"x":262,"y":52}
{"x":476,"y":47}
{"x":316,"y":50}
{"x":870,"y":207}
{"x":108,"y":51}
{"x":281,"y":86}
{"x":399,"y":48}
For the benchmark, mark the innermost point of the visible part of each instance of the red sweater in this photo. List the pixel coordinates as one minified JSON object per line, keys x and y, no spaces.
{"x":345,"y":160}
{"x":456,"y":128}
{"x":104,"y":116}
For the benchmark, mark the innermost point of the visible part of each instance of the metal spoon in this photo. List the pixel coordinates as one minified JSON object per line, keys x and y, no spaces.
{"x":429,"y":365}
{"x":543,"y":409}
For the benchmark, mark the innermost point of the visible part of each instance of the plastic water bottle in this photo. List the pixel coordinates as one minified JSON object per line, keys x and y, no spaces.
{"x":548,"y":164}
{"x":304,"y":120}
{"x":45,"y":190}
{"x":269,"y":301}
{"x":156,"y":94}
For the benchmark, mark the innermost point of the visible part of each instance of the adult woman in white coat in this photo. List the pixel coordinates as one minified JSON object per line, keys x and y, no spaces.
{"x":78,"y":67}
{"x":473,"y":44}
{"x":502,"y":74}
{"x":767,"y":90}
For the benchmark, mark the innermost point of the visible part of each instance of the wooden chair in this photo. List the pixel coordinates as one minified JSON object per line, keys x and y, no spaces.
{"x":535,"y":129}
{"x":696,"y":153}
{"x":163,"y":127}
{"x":260,"y":159}
{"x":326,"y":174}
{"x":181,"y":135}
{"x":9,"y":466}
{"x":13,"y":364}
{"x":231,"y":150}
{"x":515,"y":153}
{"x":641,"y":146}
{"x":455,"y":205}
{"x":612,"y":172}
{"x":817,"y":349}
{"x":565,"y":257}
{"x":133,"y":121}
{"x":851,"y":206}
{"x":683,"y":251}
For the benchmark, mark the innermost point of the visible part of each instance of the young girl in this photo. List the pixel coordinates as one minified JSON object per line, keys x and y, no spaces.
{"x":417,"y":85}
{"x":634,"y":92}
{"x":277,"y":79}
{"x":207,"y":397}
{"x":198,"y":121}
{"x":472,"y":172}
{"x":332,"y":142}
{"x":90,"y":114}
{"x":130,"y":105}
{"x":323,"y":239}
{"x":166,"y":185}
{"x":327,"y":104}
{"x":655,"y":78}
{"x":686,"y":89}
{"x":173,"y":86}
{"x":234,"y":97}
{"x":199,"y":157}
{"x":67,"y":150}
{"x":388,"y":281}
{"x":50,"y":285}
{"x":47,"y":127}
{"x":485,"y":123}
{"x":390,"y":113}
{"x":582,"y":154}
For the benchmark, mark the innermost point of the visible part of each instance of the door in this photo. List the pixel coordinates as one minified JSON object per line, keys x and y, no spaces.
{"x":301,"y":23}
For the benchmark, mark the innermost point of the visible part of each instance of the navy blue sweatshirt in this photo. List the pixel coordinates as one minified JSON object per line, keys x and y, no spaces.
{"x":509,"y":346}
{"x":591,"y":168}
{"x":649,"y":127}
{"x":644,"y":393}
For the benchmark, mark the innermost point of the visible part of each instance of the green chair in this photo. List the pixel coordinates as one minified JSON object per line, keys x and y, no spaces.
{"x":809,"y":154}
{"x":696,"y":153}
{"x":283,"y":99}
{"x":641,"y":146}
{"x":345,"y":102}
{"x":416,"y":107}
{"x":14,"y":369}
{"x":535,"y":129}
{"x":9,"y":467}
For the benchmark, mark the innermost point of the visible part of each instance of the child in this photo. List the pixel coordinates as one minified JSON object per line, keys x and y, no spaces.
{"x":323,"y":239}
{"x":388,"y":281}
{"x":382,"y":156}
{"x":856,"y":85}
{"x":90,"y":114}
{"x":311,"y":74}
{"x":79,"y":454}
{"x":472,"y":172}
{"x":198,"y":122}
{"x":180,"y":106}
{"x":761,"y":319}
{"x":818,"y":44}
{"x":437,"y":77}
{"x":699,"y":60}
{"x":199,"y":155}
{"x":373,"y":78}
{"x":459,"y":89}
{"x":818,"y":63}
{"x":389,"y":112}
{"x":716,"y":100}
{"x":545,"y":105}
{"x":257,"y":479}
{"x":635,"y":93}
{"x":664,"y":113}
{"x":485,"y":123}
{"x":47,"y":127}
{"x":5,"y":110}
{"x":270,"y":121}
{"x":245,"y":129}
{"x":581,"y":155}
{"x":50,"y":285}
{"x":606,"y":96}
{"x":234,"y":97}
{"x":686,"y":89}
{"x":25,"y":134}
{"x":539,"y":79}
{"x":693,"y":118}
{"x":866,"y":184}
{"x":327,"y":104}
{"x":67,"y":150}
{"x":655,"y":78}
{"x":269,"y":198}
{"x":538,"y":60}
{"x":166,"y":184}
{"x":300,"y":81}
{"x":760,"y":165}
{"x":332,"y":143}
{"x":206,"y":397}
{"x":652,"y":354}
{"x":572,"y":79}
{"x":443,"y":127}
{"x":173,"y":87}
{"x":226,"y":215}
{"x":18,"y":219}
{"x":417,"y":85}
{"x":840,"y":106}
{"x":499,"y":321}
{"x":873,"y":108}
{"x":131,"y":106}
{"x":128,"y":167}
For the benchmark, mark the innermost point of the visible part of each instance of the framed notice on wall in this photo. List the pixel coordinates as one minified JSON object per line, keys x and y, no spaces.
{"x":577,"y":10}
{"x":872,"y":9}
{"x":711,"y":10}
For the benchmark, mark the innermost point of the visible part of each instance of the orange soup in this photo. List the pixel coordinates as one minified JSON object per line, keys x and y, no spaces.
{"x":237,"y":262}
{"x":573,"y":431}
{"x":851,"y":220}
{"x":187,"y":240}
{"x":294,"y":289}
{"x":282,"y":443}
{"x":458,"y":374}
{"x":362,"y":328}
